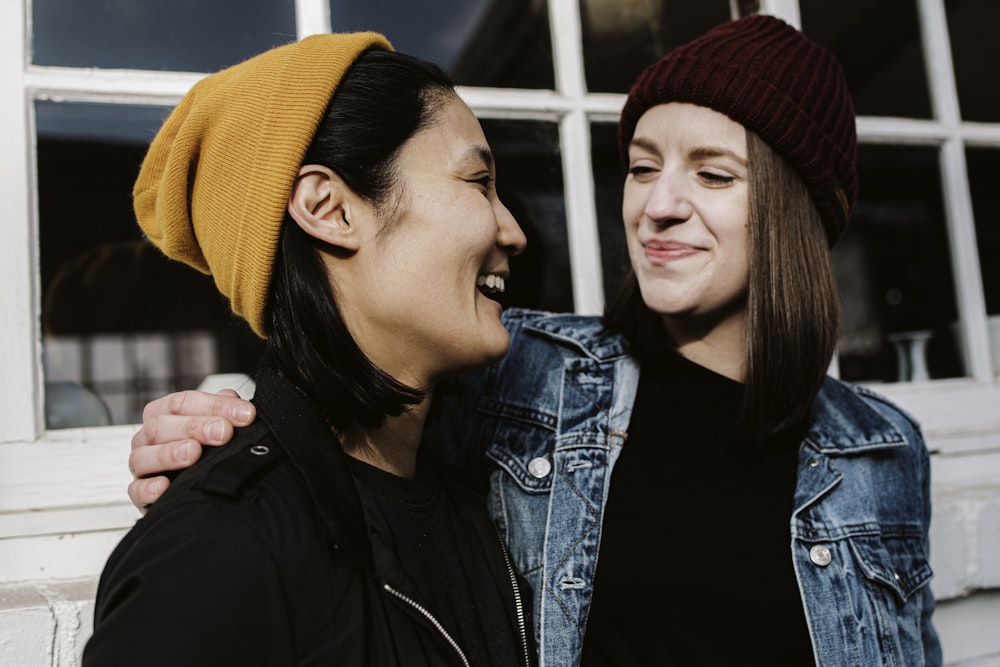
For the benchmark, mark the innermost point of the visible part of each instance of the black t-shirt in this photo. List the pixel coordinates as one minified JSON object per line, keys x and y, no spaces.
{"x":443,"y":557}
{"x":695,"y":562}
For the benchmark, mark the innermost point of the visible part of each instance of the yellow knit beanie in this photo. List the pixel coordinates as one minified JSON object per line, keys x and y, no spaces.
{"x":214,"y":186}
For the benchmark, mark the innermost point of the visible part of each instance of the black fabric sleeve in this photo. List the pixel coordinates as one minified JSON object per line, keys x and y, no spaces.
{"x":192,"y":586}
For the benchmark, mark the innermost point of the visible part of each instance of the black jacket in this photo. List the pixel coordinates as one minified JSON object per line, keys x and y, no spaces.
{"x":261,"y":554}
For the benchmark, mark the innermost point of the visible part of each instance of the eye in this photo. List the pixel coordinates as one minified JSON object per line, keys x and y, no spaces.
{"x":485,"y":182}
{"x":716,"y":178}
{"x":642,"y":172}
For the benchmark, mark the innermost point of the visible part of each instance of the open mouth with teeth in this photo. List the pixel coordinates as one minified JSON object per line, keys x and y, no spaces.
{"x":491,"y":285}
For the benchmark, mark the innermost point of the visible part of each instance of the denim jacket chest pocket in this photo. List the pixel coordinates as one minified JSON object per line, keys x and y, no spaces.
{"x":862,"y":565}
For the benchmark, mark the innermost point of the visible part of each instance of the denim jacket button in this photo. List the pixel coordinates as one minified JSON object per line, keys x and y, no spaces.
{"x":820,"y":555}
{"x":539,"y":467}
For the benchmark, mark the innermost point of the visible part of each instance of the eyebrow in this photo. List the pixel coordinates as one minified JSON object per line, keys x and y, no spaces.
{"x":479,"y":154}
{"x":698,"y":153}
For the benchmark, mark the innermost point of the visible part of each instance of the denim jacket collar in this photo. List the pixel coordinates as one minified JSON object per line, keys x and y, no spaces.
{"x":842,"y":422}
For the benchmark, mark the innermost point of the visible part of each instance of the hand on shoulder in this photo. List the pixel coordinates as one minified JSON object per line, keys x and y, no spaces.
{"x":174,"y":428}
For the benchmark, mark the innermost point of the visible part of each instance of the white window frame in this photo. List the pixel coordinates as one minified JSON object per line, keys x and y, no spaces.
{"x":59,"y":482}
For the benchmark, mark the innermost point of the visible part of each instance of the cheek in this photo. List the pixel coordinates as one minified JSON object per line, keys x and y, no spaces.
{"x":633,"y":204}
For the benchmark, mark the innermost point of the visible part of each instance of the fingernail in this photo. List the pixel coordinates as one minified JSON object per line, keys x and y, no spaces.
{"x":184,"y":452}
{"x":215,"y":430}
{"x":241,"y":413}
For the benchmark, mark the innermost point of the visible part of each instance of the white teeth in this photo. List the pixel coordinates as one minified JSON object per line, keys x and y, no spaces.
{"x":491,"y":282}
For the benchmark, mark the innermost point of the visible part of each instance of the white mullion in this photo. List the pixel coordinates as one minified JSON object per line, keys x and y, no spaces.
{"x":21,"y":414}
{"x":971,"y":301}
{"x":66,"y":84}
{"x":581,"y":218}
{"x":784,"y":9}
{"x":574,"y":141}
{"x":312,"y":17}
{"x":567,"y":47}
{"x":872,"y":129}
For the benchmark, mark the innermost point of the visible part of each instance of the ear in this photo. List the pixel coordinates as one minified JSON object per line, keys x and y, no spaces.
{"x":324,"y":207}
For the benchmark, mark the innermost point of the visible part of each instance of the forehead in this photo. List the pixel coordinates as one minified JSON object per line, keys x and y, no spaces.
{"x":683,"y":121}
{"x":454,"y":137}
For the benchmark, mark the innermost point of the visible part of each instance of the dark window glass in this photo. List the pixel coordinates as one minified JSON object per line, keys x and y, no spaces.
{"x":501,"y":43}
{"x":984,"y":174}
{"x":182,"y":35}
{"x":609,"y":179}
{"x":899,"y":319}
{"x":121,"y":323}
{"x":975,"y":52}
{"x":530,"y":183}
{"x":878,"y":44}
{"x":621,"y":38}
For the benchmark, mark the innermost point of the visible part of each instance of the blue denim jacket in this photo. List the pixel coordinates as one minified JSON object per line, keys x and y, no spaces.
{"x":553,"y":418}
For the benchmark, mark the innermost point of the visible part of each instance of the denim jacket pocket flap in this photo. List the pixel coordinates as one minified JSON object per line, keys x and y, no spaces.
{"x":898,"y":562}
{"x":528,"y":466}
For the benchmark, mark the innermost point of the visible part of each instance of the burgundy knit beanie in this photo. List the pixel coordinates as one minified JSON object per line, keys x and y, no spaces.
{"x":772,"y":79}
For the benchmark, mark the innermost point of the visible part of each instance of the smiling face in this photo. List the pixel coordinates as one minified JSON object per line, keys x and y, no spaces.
{"x":686,"y":211}
{"x":419,"y":296}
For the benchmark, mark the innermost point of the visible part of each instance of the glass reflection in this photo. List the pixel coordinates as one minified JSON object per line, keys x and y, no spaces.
{"x":121,"y":323}
{"x":899,"y":319}
{"x":181,"y":35}
{"x":621,"y":37}
{"x":878,"y":44}
{"x":975,"y":52}
{"x":530,"y":183}
{"x":500,"y":43}
{"x":984,"y":174}
{"x":609,"y":179}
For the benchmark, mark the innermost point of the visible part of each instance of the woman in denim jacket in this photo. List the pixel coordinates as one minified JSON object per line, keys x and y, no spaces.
{"x":747,"y":508}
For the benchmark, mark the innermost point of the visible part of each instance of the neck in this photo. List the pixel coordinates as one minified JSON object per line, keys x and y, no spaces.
{"x":720,"y":347}
{"x":391,"y":447}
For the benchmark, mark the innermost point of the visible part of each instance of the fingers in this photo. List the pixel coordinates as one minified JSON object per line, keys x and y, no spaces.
{"x":151,"y":460}
{"x":145,"y":492}
{"x":174,"y":428}
{"x":206,"y":418}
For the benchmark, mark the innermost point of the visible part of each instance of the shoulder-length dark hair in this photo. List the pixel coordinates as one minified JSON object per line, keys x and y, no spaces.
{"x":793,"y":308}
{"x":384,"y":99}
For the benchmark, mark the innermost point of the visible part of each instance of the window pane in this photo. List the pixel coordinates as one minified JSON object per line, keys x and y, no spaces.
{"x":899,"y":318}
{"x":609,"y":180}
{"x":878,"y":44}
{"x":975,"y":51}
{"x":621,"y":37}
{"x":984,"y":174}
{"x":530,"y":183}
{"x":501,"y":43}
{"x":184,"y":35}
{"x":121,"y":324}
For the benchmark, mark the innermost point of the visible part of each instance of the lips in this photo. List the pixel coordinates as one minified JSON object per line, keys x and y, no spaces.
{"x":663,"y":251}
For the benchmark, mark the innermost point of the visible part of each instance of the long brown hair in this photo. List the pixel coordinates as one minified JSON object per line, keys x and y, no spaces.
{"x":793,"y":308}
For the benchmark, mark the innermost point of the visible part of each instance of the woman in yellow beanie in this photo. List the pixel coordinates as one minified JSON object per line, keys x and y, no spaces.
{"x":343,"y":197}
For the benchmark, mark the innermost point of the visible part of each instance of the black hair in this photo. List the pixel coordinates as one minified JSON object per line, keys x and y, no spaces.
{"x":383,"y":100}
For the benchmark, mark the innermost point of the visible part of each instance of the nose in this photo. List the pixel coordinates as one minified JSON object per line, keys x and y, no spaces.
{"x":668,"y":200}
{"x":510,"y":237}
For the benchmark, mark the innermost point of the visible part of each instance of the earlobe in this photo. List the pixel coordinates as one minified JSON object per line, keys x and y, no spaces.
{"x":321,"y":204}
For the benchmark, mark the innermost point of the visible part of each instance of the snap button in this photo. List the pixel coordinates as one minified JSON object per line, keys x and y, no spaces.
{"x":896,"y":576}
{"x":539,"y":467}
{"x":820,"y":555}
{"x":259,"y":450}
{"x":813,"y":463}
